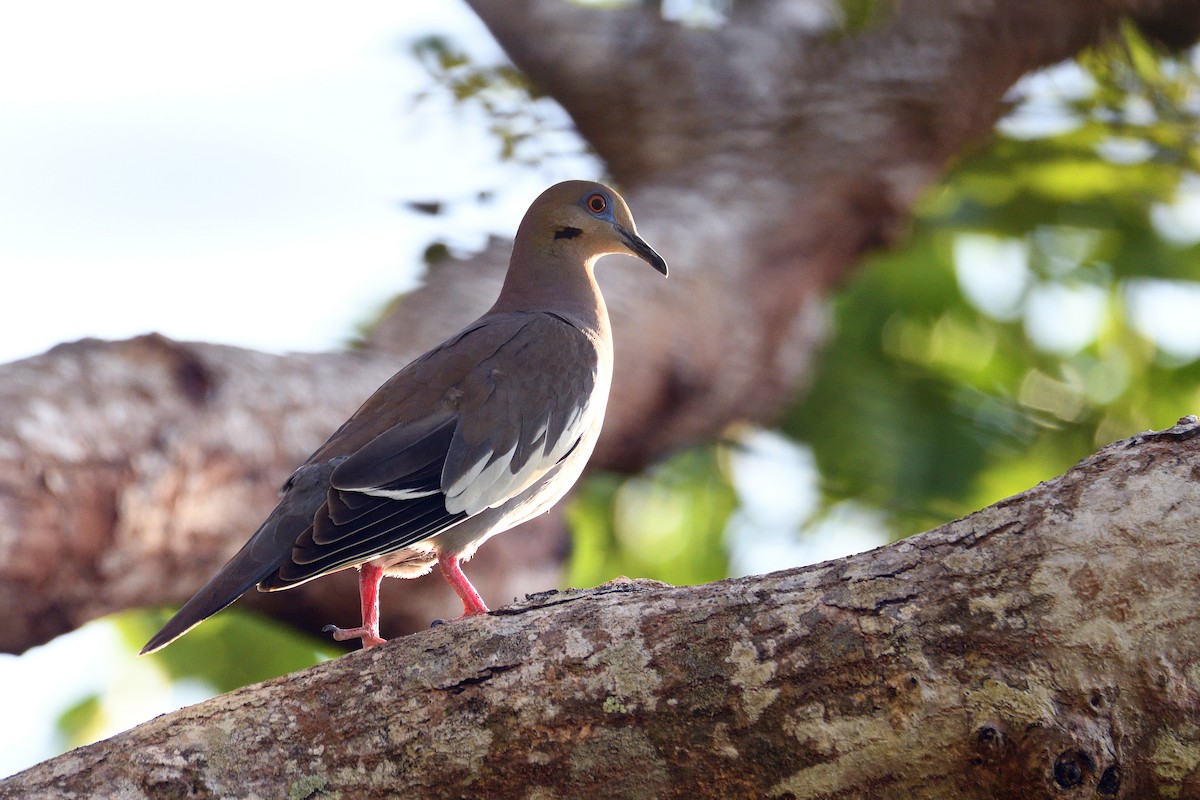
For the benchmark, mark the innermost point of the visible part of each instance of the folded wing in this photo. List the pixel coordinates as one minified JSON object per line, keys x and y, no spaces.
{"x":524,"y":404}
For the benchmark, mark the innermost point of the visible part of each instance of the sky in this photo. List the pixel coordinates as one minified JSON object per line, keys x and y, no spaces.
{"x":230,"y":172}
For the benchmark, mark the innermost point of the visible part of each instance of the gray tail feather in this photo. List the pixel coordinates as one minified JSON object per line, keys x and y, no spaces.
{"x":265,"y":552}
{"x":221,"y":591}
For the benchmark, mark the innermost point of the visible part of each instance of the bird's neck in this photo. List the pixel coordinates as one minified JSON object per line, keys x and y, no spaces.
{"x":556,"y":282}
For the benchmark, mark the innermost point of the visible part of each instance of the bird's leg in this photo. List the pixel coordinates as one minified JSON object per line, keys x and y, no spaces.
{"x":368,"y":592}
{"x":472,"y":602}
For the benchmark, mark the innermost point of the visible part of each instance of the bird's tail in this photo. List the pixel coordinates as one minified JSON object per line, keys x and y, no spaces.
{"x":267,"y":550}
{"x":235,"y":579}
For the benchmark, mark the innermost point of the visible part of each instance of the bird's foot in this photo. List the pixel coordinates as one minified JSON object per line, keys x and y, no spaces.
{"x":466,"y":613}
{"x":369,"y":637}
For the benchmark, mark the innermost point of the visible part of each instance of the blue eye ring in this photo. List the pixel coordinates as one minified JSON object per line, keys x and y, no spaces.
{"x":597,"y":203}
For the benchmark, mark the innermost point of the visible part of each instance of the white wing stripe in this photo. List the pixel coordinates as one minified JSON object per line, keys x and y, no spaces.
{"x":470,"y":493}
{"x":391,"y":494}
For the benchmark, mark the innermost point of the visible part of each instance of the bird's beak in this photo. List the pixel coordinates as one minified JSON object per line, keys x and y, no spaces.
{"x":641,"y":249}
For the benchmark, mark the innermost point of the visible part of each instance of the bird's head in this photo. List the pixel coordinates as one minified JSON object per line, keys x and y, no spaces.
{"x":589,"y":220}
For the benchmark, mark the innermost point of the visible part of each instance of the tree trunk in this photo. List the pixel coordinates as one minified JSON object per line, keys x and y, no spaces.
{"x":762,"y":158}
{"x":1045,"y":647}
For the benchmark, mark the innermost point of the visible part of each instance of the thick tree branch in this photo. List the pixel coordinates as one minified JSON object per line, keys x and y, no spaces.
{"x":1045,"y":647}
{"x":761,"y":158}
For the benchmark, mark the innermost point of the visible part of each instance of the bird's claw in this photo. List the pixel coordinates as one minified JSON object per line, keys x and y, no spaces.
{"x":369,"y":637}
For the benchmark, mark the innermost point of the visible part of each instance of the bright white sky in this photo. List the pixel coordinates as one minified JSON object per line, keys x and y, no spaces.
{"x":228,"y":171}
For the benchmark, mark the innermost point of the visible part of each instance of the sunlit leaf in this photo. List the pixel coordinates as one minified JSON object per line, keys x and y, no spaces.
{"x":931,"y":401}
{"x":667,"y":524}
{"x":229,"y":650}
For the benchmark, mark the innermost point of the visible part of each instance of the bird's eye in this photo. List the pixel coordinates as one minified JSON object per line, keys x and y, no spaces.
{"x":597,"y":203}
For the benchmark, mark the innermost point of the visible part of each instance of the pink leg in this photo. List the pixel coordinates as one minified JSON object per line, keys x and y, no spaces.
{"x":472,"y":602}
{"x":368,"y":593}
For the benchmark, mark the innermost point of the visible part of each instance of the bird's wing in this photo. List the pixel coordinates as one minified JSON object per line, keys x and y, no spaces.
{"x":497,"y":427}
{"x":539,"y":399}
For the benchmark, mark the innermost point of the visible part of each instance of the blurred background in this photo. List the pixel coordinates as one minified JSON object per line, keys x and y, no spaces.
{"x":1043,"y":303}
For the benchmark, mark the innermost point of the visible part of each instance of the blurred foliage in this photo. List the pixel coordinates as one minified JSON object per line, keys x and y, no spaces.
{"x":232,"y":649}
{"x":931,"y":401}
{"x":863,"y":15}
{"x":82,"y":723}
{"x":667,"y":524}
{"x":529,"y":127}
{"x":229,"y":650}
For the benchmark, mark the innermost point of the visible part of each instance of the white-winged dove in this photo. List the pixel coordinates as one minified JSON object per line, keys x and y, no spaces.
{"x":486,"y":430}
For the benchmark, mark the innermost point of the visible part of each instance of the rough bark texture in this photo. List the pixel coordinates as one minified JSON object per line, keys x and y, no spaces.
{"x":762,"y":158}
{"x":1045,"y":647}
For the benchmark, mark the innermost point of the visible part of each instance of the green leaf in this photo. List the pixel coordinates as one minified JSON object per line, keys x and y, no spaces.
{"x":667,"y":524}
{"x":230,"y":650}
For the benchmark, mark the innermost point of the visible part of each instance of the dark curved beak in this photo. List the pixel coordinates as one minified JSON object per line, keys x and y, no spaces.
{"x":642,"y":250}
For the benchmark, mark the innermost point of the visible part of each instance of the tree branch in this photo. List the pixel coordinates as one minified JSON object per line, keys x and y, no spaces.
{"x":1044,"y":647}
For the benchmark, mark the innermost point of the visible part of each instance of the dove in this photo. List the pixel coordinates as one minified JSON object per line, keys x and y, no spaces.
{"x":483,"y":432}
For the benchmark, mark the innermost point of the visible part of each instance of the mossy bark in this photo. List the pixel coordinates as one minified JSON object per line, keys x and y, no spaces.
{"x":1045,"y":647}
